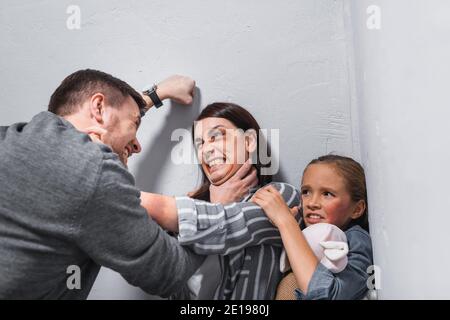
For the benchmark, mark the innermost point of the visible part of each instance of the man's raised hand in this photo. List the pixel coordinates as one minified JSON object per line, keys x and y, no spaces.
{"x":177,"y":88}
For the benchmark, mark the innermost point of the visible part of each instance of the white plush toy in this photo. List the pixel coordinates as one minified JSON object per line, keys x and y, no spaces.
{"x":328,"y":243}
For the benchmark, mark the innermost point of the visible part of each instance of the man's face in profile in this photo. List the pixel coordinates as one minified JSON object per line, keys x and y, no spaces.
{"x":122,"y":124}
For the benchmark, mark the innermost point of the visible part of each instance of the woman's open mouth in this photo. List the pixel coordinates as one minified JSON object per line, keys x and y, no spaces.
{"x":215,"y":164}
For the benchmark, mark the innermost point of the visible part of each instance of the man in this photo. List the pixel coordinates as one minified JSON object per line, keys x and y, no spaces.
{"x":68,"y":203}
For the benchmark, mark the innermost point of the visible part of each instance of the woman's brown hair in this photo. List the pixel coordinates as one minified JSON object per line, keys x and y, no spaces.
{"x":242,"y":119}
{"x":355,"y":180}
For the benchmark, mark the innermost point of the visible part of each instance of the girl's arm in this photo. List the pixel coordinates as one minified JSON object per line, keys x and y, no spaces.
{"x":301,"y":257}
{"x":314,"y":280}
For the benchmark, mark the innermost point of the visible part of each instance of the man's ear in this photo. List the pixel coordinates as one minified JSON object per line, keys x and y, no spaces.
{"x":251,"y":141}
{"x":359,"y":209}
{"x":97,"y":107}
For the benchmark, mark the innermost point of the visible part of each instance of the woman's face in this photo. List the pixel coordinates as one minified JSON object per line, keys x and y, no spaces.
{"x":221,"y":148}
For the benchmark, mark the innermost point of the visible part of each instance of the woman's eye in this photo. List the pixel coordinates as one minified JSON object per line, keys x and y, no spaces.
{"x":215,"y":135}
{"x":328,"y":194}
{"x":305,"y":192}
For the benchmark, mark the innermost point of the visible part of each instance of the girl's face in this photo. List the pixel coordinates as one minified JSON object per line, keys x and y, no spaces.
{"x":325,"y":198}
{"x":221,"y":148}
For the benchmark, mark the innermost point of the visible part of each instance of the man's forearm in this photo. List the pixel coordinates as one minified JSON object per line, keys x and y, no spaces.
{"x":162,"y":209}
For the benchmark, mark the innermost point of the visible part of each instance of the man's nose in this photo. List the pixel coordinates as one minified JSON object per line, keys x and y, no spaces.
{"x":136,"y":146}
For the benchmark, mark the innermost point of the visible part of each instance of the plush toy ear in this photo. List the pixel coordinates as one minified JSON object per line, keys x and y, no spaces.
{"x":360,"y":207}
{"x":334,"y":250}
{"x":335,"y":255}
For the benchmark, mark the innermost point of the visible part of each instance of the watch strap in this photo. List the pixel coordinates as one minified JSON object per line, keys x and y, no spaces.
{"x":154,"y":96}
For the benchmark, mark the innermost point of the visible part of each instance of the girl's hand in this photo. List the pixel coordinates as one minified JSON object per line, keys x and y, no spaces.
{"x":271,"y":201}
{"x":301,"y":257}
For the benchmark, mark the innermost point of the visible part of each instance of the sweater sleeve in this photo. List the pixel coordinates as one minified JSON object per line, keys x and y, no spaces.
{"x":116,"y":232}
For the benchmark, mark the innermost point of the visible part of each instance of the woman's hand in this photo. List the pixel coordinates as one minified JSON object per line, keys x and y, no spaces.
{"x":273,"y":204}
{"x":234,"y":189}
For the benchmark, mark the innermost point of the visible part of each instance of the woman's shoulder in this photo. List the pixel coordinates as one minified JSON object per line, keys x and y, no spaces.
{"x":289,"y":193}
{"x":282,"y":186}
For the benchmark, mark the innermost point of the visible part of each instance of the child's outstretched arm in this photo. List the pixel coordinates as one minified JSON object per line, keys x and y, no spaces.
{"x":301,"y":257}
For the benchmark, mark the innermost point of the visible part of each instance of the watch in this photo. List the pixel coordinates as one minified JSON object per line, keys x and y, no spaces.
{"x":154,"y":96}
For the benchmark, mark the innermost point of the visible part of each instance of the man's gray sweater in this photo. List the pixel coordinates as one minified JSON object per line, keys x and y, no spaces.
{"x":67,"y":203}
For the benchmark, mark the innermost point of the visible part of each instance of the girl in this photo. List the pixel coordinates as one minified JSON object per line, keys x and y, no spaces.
{"x":333,"y":191}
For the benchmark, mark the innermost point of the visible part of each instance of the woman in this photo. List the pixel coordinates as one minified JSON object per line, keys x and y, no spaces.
{"x":249,"y":246}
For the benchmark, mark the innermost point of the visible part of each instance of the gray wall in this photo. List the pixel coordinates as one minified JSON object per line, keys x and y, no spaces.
{"x":403,"y":73}
{"x":288,"y":62}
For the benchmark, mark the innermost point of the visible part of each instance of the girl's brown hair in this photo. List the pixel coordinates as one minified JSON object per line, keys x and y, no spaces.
{"x":355,"y":180}
{"x":242,"y":119}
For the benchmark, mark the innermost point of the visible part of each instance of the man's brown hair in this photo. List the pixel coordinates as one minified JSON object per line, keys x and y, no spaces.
{"x":82,"y":84}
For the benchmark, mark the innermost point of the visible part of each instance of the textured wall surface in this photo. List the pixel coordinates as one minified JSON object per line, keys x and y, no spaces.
{"x":286,"y":61}
{"x":402,"y":73}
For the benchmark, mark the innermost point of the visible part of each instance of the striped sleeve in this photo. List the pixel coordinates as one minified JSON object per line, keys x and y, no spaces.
{"x":225,"y":229}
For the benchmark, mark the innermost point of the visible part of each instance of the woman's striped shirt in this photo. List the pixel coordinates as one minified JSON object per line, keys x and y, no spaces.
{"x":248,"y":245}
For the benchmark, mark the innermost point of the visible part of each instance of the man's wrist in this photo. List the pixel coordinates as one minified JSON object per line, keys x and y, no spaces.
{"x":147,"y":100}
{"x":153,"y":96}
{"x":161,"y":92}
